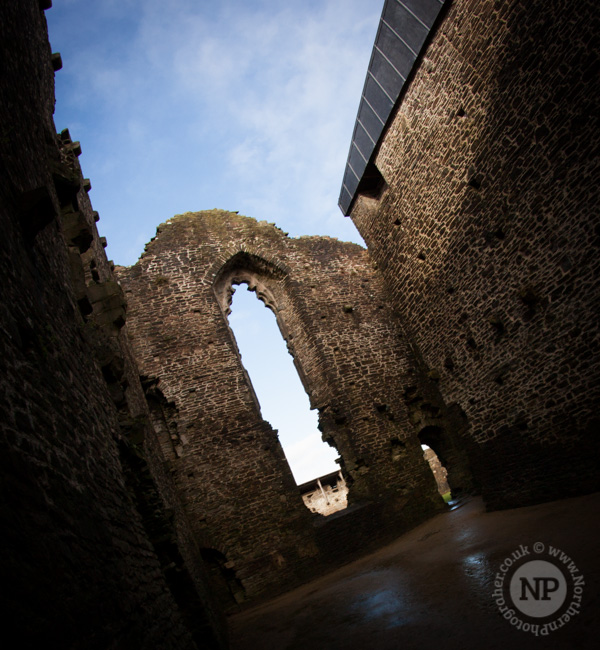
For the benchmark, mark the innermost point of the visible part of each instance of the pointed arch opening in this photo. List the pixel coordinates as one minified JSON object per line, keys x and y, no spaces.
{"x":274,"y":376}
{"x":430,"y":438}
{"x":276,"y":382}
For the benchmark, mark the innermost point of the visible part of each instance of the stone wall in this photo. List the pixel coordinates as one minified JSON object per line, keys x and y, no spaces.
{"x":226,"y":460}
{"x":485,"y":227}
{"x":96,"y":549}
{"x":134,"y":511}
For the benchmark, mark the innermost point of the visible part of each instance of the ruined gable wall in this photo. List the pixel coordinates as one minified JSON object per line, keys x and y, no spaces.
{"x":226,"y":460}
{"x":487,"y":236}
{"x":91,"y":526}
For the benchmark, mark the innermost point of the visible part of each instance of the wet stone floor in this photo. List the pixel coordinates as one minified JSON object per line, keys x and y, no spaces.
{"x":434,"y":588}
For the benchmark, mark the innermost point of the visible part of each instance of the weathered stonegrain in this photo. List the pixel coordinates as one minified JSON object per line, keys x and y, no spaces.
{"x":487,"y":236}
{"x":142,"y":492}
{"x":354,"y":364}
{"x":91,"y":526}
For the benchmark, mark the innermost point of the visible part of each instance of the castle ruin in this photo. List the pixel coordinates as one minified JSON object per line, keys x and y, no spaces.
{"x":143,"y":494}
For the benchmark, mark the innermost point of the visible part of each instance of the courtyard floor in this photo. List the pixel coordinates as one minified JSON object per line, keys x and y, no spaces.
{"x":434,"y":587}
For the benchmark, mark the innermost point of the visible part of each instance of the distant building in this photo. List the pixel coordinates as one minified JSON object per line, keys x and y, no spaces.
{"x":326,"y":494}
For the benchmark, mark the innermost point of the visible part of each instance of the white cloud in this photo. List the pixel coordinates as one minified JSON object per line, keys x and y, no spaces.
{"x":241,"y":105}
{"x":284,"y":86}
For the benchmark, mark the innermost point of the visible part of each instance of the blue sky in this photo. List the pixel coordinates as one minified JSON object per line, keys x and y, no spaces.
{"x":184,"y":105}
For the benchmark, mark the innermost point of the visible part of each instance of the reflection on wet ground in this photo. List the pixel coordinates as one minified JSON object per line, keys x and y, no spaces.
{"x":380,"y":596}
{"x":432,"y":586}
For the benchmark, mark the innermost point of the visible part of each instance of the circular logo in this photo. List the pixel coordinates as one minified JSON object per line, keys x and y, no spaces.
{"x":538,"y":588}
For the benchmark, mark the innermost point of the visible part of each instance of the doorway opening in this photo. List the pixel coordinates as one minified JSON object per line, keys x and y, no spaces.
{"x":440,"y":473}
{"x":283,"y":400}
{"x":226,"y":587}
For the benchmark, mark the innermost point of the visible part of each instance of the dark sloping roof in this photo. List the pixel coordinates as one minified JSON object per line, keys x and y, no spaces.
{"x":402,"y":33}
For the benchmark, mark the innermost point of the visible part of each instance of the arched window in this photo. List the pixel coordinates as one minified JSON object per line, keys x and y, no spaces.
{"x":283,"y":400}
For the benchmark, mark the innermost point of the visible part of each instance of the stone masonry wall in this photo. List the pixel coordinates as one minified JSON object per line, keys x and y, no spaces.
{"x":96,"y":550}
{"x":487,"y":234}
{"x":226,"y":460}
{"x":470,"y":326}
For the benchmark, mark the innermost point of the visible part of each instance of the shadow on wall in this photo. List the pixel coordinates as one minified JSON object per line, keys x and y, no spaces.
{"x":227,"y":588}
